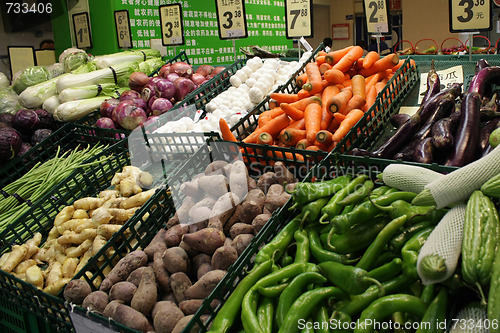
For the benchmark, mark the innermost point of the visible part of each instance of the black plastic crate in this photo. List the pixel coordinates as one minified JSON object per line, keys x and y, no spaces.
{"x":65,"y":138}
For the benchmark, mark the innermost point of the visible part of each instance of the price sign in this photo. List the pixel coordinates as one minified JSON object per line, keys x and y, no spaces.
{"x":122,"y":23}
{"x":82,"y":30}
{"x":231,"y":18}
{"x":298,"y":17}
{"x":470,"y":15}
{"x":172,"y":29}
{"x":377,"y":16}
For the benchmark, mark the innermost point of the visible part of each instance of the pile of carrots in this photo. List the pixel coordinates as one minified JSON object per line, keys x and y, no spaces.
{"x":336,"y":91}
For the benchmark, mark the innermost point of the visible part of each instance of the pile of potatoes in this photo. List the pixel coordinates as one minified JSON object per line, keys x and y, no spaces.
{"x":159,"y":289}
{"x":79,"y":231}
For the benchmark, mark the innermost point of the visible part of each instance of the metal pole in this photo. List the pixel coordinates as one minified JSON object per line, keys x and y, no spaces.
{"x":470,"y":46}
{"x":234,"y":49}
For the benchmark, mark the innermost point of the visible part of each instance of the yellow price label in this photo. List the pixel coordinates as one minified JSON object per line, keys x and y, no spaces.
{"x":122,"y":23}
{"x":231,"y":18}
{"x":298,"y":17}
{"x":377,"y":16}
{"x":82,"y":30}
{"x":172,"y":29}
{"x":470,"y":15}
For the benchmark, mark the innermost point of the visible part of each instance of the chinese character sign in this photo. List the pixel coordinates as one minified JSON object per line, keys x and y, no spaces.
{"x":232,"y":19}
{"x":377,"y":16}
{"x":82,"y":30}
{"x":298,"y":15}
{"x":470,"y":15}
{"x":171,"y":24}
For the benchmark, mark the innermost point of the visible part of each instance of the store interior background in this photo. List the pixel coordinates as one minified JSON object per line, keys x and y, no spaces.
{"x":412,"y":20}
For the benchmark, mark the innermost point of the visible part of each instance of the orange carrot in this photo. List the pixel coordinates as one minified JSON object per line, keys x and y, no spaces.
{"x":400,"y":63}
{"x":328,"y":93}
{"x":358,"y":86}
{"x":338,"y":102}
{"x":356,"y":102}
{"x":303,"y":94}
{"x":324,"y":67}
{"x":324,"y":137}
{"x":273,"y":104}
{"x":320,"y":59}
{"x":359,"y":64}
{"x":299,"y":124}
{"x":333,"y":57}
{"x":334,"y":76}
{"x":302,"y":144}
{"x":285,"y":155}
{"x":345,"y":126}
{"x":312,"y":115}
{"x":371,"y":96}
{"x":301,"y":104}
{"x":387,"y":62}
{"x":349,"y":59}
{"x":301,"y":79}
{"x":322,"y":53}
{"x":347,"y":83}
{"x":292,"y":112}
{"x":265,"y":138}
{"x":379,"y":86}
{"x":268,"y":115}
{"x":284,"y":97}
{"x":372,"y":79}
{"x":314,"y":84}
{"x":313,"y":148}
{"x":290,"y":136}
{"x":226,"y":131}
{"x":339,"y":117}
{"x":370,"y":58}
{"x":334,"y":124}
{"x":273,"y":127}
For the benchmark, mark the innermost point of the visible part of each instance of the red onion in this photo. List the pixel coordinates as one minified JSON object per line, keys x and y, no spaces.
{"x":183,"y":86}
{"x":172,"y":76}
{"x":197,"y":78}
{"x":160,"y":106}
{"x":137,"y":81}
{"x":181,"y":68}
{"x":165,"y":89}
{"x":25,"y":121}
{"x":151,"y":101}
{"x":205,"y":70}
{"x":105,"y":122}
{"x":116,"y":110}
{"x":130,"y":116}
{"x":148,"y":92}
{"x":217,"y":70}
{"x":139,"y":102}
{"x":108,"y":106}
{"x":164,"y":70}
{"x":129,"y":95}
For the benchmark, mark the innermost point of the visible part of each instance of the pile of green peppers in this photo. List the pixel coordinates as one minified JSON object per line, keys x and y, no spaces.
{"x":349,"y":258}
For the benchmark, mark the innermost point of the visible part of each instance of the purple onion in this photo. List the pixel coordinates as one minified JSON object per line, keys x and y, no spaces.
{"x":6,"y":118}
{"x":172,"y":76}
{"x":148,"y":92}
{"x":129,"y":95}
{"x":183,"y":86}
{"x":25,"y":121}
{"x":105,"y":122}
{"x":24,"y":148}
{"x":154,"y":80}
{"x":46,"y":120}
{"x":151,"y":101}
{"x":160,"y":106}
{"x":121,"y":105}
{"x":165,"y":89}
{"x":130,"y":116}
{"x":108,"y":106}
{"x":140,"y":103}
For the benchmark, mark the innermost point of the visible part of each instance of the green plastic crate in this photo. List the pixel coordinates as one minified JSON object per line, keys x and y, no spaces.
{"x":334,"y":165}
{"x":66,"y":138}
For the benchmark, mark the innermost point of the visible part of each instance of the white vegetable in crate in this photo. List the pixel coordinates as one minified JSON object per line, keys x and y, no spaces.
{"x":211,"y":106}
{"x":250,"y":82}
{"x":244,"y":87}
{"x":241,"y":75}
{"x":51,"y":104}
{"x":235,"y":81}
{"x":256,"y":95}
{"x":247,"y":70}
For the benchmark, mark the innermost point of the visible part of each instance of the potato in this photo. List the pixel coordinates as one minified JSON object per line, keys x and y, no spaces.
{"x":16,"y":256}
{"x":182,"y":212}
{"x":173,"y":221}
{"x":259,"y":221}
{"x":24,"y":265}
{"x":76,"y":291}
{"x":238,"y":179}
{"x":190,"y":189}
{"x":224,"y":207}
{"x":240,"y":228}
{"x":176,"y":260}
{"x":166,"y":317}
{"x":147,"y":293}
{"x":203,"y":269}
{"x":276,"y":198}
{"x":77,"y":238}
{"x":132,"y":318}
{"x":173,"y":236}
{"x":110,"y":309}
{"x":34,"y":276}
{"x":215,"y":222}
{"x":54,"y":288}
{"x":161,"y":273}
{"x":123,"y":268}
{"x":282,"y":173}
{"x":96,"y":301}
{"x":33,"y":244}
{"x":201,"y":210}
{"x":108,"y":230}
{"x":189,"y":250}
{"x":136,"y":276}
{"x":204,"y":286}
{"x":224,"y":257}
{"x":137,"y":200}
{"x":256,"y":195}
{"x":251,"y":183}
{"x":64,"y":215}
{"x":179,"y":283}
{"x":69,"y":267}
{"x":235,"y":218}
{"x":216,"y":167}
{"x":241,"y":242}
{"x":266,"y":180}
{"x":194,"y":227}
{"x":162,"y":306}
{"x":199,"y":260}
{"x":53,"y":273}
{"x":191,"y":306}
{"x":78,"y":251}
{"x":169,"y":297}
{"x":215,"y":185}
{"x":157,"y":244}
{"x":206,"y":240}
{"x":122,"y":291}
{"x":89,"y":203}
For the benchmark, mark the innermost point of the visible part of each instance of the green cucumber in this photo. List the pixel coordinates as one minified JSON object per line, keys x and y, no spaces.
{"x":492,"y":187}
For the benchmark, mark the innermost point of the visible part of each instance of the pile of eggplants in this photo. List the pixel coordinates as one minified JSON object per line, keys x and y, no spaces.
{"x":450,"y":127}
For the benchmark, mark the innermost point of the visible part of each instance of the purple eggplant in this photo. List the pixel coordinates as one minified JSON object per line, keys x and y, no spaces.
{"x":443,"y":130}
{"x":399,"y":119}
{"x":360,"y":152}
{"x":399,"y":139}
{"x":480,"y":64}
{"x":482,"y":81}
{"x":484,"y":134}
{"x":433,"y":84}
{"x":467,"y":137}
{"x":424,"y":151}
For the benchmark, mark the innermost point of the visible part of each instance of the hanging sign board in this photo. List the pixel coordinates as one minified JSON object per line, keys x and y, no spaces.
{"x":82,"y":30}
{"x":231,"y":19}
{"x":298,"y":17}
{"x":172,"y":30}
{"x":377,"y":16}
{"x":470,"y":15}
{"x":122,"y":23}
{"x":20,"y":57}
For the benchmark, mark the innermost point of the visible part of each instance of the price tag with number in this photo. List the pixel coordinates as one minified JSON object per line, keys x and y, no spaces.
{"x":298,"y":17}
{"x":172,"y":29}
{"x":377,"y":16}
{"x":231,"y":18}
{"x":470,"y":15}
{"x":123,"y":34}
{"x":82,"y":30}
